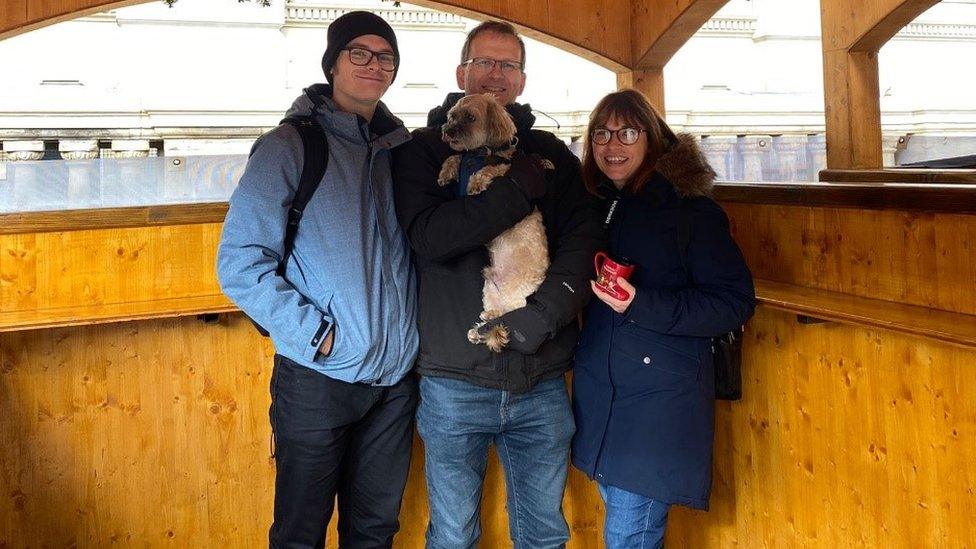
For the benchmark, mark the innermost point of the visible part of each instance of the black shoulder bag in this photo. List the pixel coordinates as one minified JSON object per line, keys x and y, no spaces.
{"x":726,"y":348}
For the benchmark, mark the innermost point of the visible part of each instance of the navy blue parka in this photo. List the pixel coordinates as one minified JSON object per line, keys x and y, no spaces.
{"x":643,"y":386}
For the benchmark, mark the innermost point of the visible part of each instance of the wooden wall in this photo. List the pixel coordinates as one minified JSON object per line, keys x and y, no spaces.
{"x":156,"y":432}
{"x":846,"y":437}
{"x":906,"y":257}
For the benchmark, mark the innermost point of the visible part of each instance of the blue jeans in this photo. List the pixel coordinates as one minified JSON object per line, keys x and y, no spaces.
{"x":532,"y":432}
{"x":633,"y":521}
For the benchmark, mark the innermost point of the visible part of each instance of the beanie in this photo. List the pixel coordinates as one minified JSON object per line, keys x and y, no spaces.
{"x":350,"y":26}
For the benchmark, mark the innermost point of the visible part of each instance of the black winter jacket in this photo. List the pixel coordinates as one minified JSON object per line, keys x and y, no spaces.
{"x":448,"y":234}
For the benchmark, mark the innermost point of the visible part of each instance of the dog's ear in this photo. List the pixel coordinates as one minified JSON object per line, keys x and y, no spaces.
{"x":500,"y":127}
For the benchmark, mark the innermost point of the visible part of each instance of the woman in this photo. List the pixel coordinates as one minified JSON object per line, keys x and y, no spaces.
{"x":643,"y":386}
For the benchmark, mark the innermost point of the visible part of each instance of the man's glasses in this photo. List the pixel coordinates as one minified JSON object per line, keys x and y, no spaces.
{"x":627,"y":136}
{"x":362,"y":57}
{"x":487,"y":64}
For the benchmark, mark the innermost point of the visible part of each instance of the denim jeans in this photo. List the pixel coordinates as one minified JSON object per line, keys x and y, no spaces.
{"x":632,"y":521}
{"x":531,"y":431}
{"x":337,"y":439}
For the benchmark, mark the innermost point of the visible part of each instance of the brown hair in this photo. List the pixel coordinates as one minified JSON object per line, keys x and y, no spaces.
{"x":497,"y":27}
{"x":633,"y":108}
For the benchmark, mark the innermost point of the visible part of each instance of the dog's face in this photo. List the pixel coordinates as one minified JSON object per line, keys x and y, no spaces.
{"x":477,"y":121}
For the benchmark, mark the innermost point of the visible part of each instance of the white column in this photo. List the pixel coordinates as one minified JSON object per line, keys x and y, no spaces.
{"x":891,"y":144}
{"x":791,"y":157}
{"x":755,"y":156}
{"x":716,"y":150}
{"x":83,"y":174}
{"x":130,"y":148}
{"x":21,"y":191}
{"x":816,"y":155}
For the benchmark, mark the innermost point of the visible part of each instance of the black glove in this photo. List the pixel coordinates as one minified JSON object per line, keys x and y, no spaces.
{"x":527,"y":329}
{"x":526,"y":171}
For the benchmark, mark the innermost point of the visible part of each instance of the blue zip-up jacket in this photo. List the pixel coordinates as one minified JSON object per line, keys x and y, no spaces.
{"x":350,"y":264}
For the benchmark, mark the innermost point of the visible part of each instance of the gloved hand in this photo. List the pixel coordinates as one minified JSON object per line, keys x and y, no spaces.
{"x":527,"y":329}
{"x":527,"y":172}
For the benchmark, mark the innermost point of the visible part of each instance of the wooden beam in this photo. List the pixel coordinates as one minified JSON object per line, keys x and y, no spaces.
{"x":851,"y":39}
{"x":649,"y":82}
{"x":660,"y":29}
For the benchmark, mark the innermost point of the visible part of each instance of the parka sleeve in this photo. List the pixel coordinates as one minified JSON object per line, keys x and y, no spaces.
{"x":721,"y":297}
{"x":578,"y":235}
{"x":439,"y":224}
{"x":252,"y":243}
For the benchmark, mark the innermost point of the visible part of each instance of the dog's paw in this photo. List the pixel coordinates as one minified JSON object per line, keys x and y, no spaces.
{"x":497,"y":338}
{"x":474,"y":336}
{"x":488,"y":315}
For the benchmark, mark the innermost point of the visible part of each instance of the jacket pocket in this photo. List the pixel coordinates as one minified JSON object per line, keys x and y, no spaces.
{"x":646,"y":350}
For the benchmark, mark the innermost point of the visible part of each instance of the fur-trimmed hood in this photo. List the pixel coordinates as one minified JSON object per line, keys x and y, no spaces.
{"x":686,"y":167}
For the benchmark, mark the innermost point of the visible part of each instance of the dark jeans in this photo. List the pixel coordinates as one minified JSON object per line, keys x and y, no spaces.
{"x":338,"y":439}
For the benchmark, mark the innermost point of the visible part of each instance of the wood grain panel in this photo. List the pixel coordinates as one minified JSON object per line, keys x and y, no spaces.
{"x":846,"y":437}
{"x":69,"y":270}
{"x":154,"y":433}
{"x":916,"y":258}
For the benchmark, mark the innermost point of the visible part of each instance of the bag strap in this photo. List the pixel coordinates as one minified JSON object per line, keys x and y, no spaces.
{"x":315,"y":160}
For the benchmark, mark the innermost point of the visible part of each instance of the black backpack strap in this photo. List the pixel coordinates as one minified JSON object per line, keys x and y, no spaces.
{"x":315,"y":160}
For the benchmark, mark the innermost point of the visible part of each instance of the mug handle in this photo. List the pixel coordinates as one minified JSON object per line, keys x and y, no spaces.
{"x":598,"y":260}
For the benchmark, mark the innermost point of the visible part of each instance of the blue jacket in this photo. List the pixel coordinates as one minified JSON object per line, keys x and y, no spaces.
{"x":350,"y":263}
{"x":643,"y":386}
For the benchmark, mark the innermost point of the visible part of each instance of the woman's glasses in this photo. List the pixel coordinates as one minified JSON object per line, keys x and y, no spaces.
{"x":362,"y":57}
{"x":627,"y":136}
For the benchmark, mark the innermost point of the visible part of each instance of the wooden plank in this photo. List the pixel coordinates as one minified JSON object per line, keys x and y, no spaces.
{"x":949,"y":198}
{"x":900,"y":175}
{"x":108,"y":218}
{"x":943,"y":326}
{"x":12,"y":321}
{"x":660,"y":29}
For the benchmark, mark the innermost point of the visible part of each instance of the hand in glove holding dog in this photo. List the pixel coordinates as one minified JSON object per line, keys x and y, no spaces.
{"x":526,"y":326}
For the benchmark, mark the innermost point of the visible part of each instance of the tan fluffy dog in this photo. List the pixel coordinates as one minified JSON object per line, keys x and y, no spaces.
{"x":519,"y":256}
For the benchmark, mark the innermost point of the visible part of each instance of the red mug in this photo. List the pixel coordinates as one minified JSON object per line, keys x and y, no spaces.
{"x":608,"y":270}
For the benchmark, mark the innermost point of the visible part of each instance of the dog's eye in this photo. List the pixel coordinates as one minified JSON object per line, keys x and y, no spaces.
{"x":469,"y":117}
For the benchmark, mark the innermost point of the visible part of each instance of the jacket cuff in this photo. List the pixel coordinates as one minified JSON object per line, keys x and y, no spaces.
{"x":317,"y":336}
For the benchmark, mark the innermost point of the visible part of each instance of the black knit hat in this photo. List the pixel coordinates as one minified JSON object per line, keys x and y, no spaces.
{"x":350,"y":26}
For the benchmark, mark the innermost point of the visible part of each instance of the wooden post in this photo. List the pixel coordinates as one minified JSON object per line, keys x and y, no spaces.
{"x":649,"y":82}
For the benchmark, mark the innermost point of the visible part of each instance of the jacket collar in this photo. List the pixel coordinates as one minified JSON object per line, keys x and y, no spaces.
{"x":682,"y":172}
{"x":384,"y":130}
{"x":521,"y":113}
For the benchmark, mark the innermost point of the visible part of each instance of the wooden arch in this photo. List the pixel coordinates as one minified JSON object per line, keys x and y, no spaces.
{"x":851,"y":40}
{"x":633,"y":38}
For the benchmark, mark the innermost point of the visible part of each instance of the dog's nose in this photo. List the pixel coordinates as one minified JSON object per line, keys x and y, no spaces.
{"x":447,"y":130}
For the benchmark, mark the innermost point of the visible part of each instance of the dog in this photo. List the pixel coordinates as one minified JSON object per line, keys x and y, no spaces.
{"x":478,"y":124}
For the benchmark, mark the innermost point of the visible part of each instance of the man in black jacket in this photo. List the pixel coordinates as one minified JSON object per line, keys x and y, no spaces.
{"x":471,"y":397}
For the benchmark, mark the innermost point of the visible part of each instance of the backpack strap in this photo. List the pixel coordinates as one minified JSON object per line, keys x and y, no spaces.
{"x":315,"y":160}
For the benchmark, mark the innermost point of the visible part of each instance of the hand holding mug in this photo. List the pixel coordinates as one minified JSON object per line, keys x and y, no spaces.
{"x":617,"y":305}
{"x":611,"y":284}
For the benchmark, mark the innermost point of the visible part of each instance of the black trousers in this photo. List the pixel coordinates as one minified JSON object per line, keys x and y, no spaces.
{"x":336,"y":439}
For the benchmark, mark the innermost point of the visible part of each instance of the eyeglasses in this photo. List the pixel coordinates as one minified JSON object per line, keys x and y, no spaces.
{"x":627,"y":136}
{"x":487,"y":64}
{"x":362,"y":57}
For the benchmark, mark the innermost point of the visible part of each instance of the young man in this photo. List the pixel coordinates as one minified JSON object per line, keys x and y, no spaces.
{"x":342,"y":317}
{"x":471,"y":397}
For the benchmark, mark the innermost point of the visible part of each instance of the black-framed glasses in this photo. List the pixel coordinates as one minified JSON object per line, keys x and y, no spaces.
{"x":627,"y":136}
{"x":362,"y":57}
{"x":487,"y":64}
